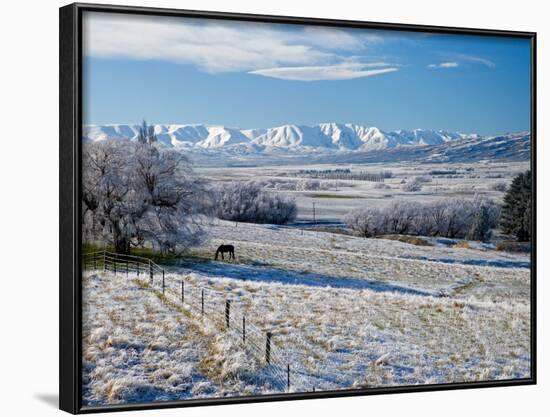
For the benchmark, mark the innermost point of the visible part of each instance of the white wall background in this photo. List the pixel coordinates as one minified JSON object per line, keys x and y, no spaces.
{"x":29,"y":204}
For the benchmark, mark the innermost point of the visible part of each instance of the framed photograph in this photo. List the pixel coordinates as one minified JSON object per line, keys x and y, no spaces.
{"x":260,"y":208}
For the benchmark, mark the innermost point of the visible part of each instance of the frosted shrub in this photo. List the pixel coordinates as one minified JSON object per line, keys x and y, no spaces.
{"x":249,"y":202}
{"x":308,"y":185}
{"x":284,"y":186}
{"x":411,"y":186}
{"x":300,"y":185}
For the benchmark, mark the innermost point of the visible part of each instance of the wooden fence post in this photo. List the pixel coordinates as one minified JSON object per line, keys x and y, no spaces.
{"x":227,"y":312}
{"x":268,"y":348}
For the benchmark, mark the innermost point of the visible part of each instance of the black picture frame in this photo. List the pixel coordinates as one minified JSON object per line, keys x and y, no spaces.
{"x":70,"y":122}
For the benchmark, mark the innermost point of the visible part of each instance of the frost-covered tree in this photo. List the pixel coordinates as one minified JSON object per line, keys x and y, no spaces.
{"x":453,"y":218}
{"x":480,"y":229}
{"x":366,"y":222}
{"x":399,"y":218}
{"x":516,"y":211}
{"x":432,"y":218}
{"x":458,"y":218}
{"x":249,"y":202}
{"x":308,"y":185}
{"x":136,"y":194}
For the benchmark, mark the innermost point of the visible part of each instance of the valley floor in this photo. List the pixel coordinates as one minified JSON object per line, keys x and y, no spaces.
{"x":345,"y":312}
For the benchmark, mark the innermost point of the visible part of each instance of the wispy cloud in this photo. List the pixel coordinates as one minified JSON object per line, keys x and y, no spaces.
{"x":444,"y":65}
{"x":478,"y":59}
{"x":220,"y":46}
{"x":346,"y":71}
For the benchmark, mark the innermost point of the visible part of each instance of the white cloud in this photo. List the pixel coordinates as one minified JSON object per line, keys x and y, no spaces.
{"x":474,"y":58}
{"x":218,"y":46}
{"x":326,"y":72}
{"x":329,"y":37}
{"x":444,"y":65}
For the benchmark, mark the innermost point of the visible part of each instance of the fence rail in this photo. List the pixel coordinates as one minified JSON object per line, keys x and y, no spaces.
{"x":216,"y":306}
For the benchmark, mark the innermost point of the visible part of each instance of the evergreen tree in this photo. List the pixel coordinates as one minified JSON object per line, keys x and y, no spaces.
{"x":527,"y":218}
{"x":481,"y":229}
{"x":146,"y":134}
{"x":516,"y":212}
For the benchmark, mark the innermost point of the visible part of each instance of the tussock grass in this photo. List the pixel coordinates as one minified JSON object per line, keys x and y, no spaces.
{"x":463,"y":244}
{"x":413,"y":240}
{"x":512,"y":246}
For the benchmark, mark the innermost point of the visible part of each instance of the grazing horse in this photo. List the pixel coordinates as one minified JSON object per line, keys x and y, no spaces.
{"x":225,"y":248}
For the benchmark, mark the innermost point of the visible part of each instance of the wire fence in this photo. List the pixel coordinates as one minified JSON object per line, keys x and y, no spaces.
{"x":224,"y":312}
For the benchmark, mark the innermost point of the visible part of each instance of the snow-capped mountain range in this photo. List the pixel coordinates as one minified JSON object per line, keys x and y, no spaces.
{"x":321,"y":137}
{"x":510,"y":147}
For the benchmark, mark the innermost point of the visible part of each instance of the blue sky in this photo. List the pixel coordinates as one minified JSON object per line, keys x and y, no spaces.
{"x":251,"y":75}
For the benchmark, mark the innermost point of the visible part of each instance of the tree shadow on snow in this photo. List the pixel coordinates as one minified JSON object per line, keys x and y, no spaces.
{"x":282,"y":276}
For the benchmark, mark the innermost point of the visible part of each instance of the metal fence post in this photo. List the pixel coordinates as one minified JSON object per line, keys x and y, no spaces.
{"x":244,"y":329}
{"x":288,"y":377}
{"x":137,"y":267}
{"x":163,"y":282}
{"x":127,"y":269}
{"x":227,"y":312}
{"x":115,"y":264}
{"x":268,"y":348}
{"x":182,"y":292}
{"x":150,"y":272}
{"x":202,"y":301}
{"x":104,"y":262}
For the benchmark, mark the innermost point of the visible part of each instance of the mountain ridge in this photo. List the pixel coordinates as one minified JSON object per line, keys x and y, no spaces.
{"x":322,"y":136}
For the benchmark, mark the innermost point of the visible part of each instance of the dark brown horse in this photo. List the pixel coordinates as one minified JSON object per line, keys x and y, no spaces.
{"x":225,"y":248}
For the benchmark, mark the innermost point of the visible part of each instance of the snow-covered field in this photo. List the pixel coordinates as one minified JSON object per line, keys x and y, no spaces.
{"x":345,"y":312}
{"x":465,"y":180}
{"x":139,"y":346}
